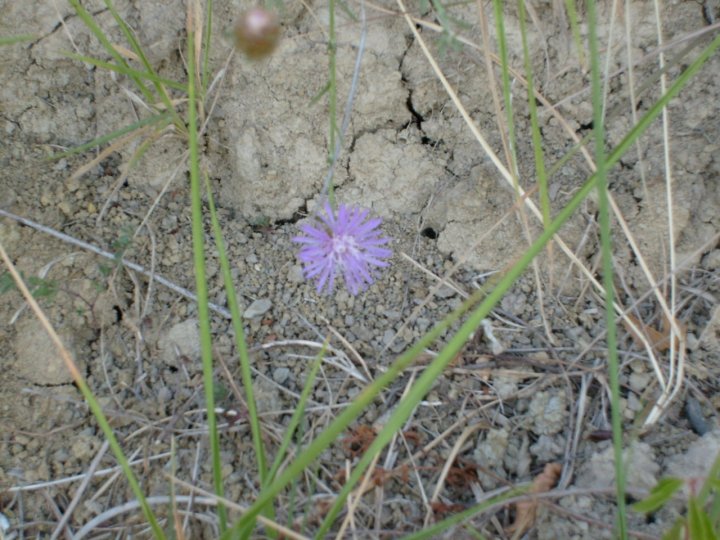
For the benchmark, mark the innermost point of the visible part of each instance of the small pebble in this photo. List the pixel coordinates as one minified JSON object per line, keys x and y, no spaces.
{"x":4,"y":523}
{"x":633,"y":403}
{"x":281,"y":374}
{"x":639,"y":381}
{"x":295,"y":274}
{"x":445,"y":292}
{"x":695,"y":416}
{"x":422,"y":324}
{"x":257,"y":308}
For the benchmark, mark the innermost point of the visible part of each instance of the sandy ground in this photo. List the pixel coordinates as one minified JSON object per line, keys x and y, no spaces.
{"x":532,"y":395}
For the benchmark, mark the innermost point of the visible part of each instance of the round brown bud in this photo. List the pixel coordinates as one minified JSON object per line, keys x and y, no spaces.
{"x":257,"y":32}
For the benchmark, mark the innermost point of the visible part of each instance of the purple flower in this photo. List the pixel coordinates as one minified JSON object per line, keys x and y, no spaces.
{"x":342,"y":243}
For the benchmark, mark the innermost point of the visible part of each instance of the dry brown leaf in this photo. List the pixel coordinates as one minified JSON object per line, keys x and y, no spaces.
{"x":359,"y":440}
{"x":127,"y":53}
{"x":441,"y":510}
{"x":659,"y":339}
{"x":525,"y":511}
{"x":462,"y":474}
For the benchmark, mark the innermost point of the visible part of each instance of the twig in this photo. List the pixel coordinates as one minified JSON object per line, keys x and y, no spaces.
{"x":70,"y":479}
{"x":80,"y":491}
{"x":111,"y":256}
{"x":348,"y":104}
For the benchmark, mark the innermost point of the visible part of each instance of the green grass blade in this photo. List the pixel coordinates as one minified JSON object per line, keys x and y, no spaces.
{"x":126,"y":70}
{"x":699,"y":525}
{"x":320,"y":94}
{"x":570,"y":153}
{"x":450,"y":351}
{"x":474,"y":320}
{"x":332,"y":94}
{"x":121,"y":459}
{"x":507,"y":91}
{"x":575,"y":27}
{"x":138,"y":50}
{"x":102,"y":38}
{"x":659,"y":495}
{"x":711,"y":484}
{"x":335,"y":429}
{"x":346,"y":9}
{"x":201,"y":285}
{"x":97,"y":412}
{"x":607,"y":271}
{"x":655,"y":110}
{"x":343,"y":420}
{"x":11,"y":40}
{"x":156,"y":118}
{"x":240,"y":343}
{"x":534,"y":124}
{"x":129,"y":35}
{"x":144,"y":147}
{"x":424,"y":383}
{"x":207,"y":34}
{"x":287,"y":439}
{"x":298,"y":414}
{"x":435,"y":530}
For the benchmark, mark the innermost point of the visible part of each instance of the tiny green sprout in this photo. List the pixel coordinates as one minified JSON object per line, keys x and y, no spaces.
{"x":42,"y":288}
{"x":104,"y":269}
{"x":39,"y":287}
{"x":6,"y":282}
{"x":697,"y":524}
{"x":448,"y":39}
{"x":221,"y":392}
{"x":120,"y":245}
{"x":659,"y":496}
{"x":260,"y":222}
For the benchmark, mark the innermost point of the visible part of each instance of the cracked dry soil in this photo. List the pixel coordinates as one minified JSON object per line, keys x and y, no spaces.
{"x":526,"y":400}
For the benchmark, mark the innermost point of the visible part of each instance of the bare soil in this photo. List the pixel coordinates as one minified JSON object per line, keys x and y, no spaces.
{"x":528,"y":391}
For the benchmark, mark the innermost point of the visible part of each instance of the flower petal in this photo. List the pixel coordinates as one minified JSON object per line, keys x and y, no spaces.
{"x":345,"y":242}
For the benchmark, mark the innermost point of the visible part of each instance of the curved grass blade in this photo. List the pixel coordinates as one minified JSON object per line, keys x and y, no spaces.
{"x":575,"y":27}
{"x":11,"y":40}
{"x":201,"y":284}
{"x":89,"y":21}
{"x":445,"y":356}
{"x":132,"y":40}
{"x":607,"y":271}
{"x":297,"y":415}
{"x":126,"y":70}
{"x":659,"y":495}
{"x":240,"y":343}
{"x":207,"y":34}
{"x":100,"y":141}
{"x":333,"y":431}
{"x":537,"y":142}
{"x":93,"y":403}
{"x":435,"y":530}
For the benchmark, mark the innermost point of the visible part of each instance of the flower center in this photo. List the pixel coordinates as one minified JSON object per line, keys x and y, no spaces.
{"x":342,"y":246}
